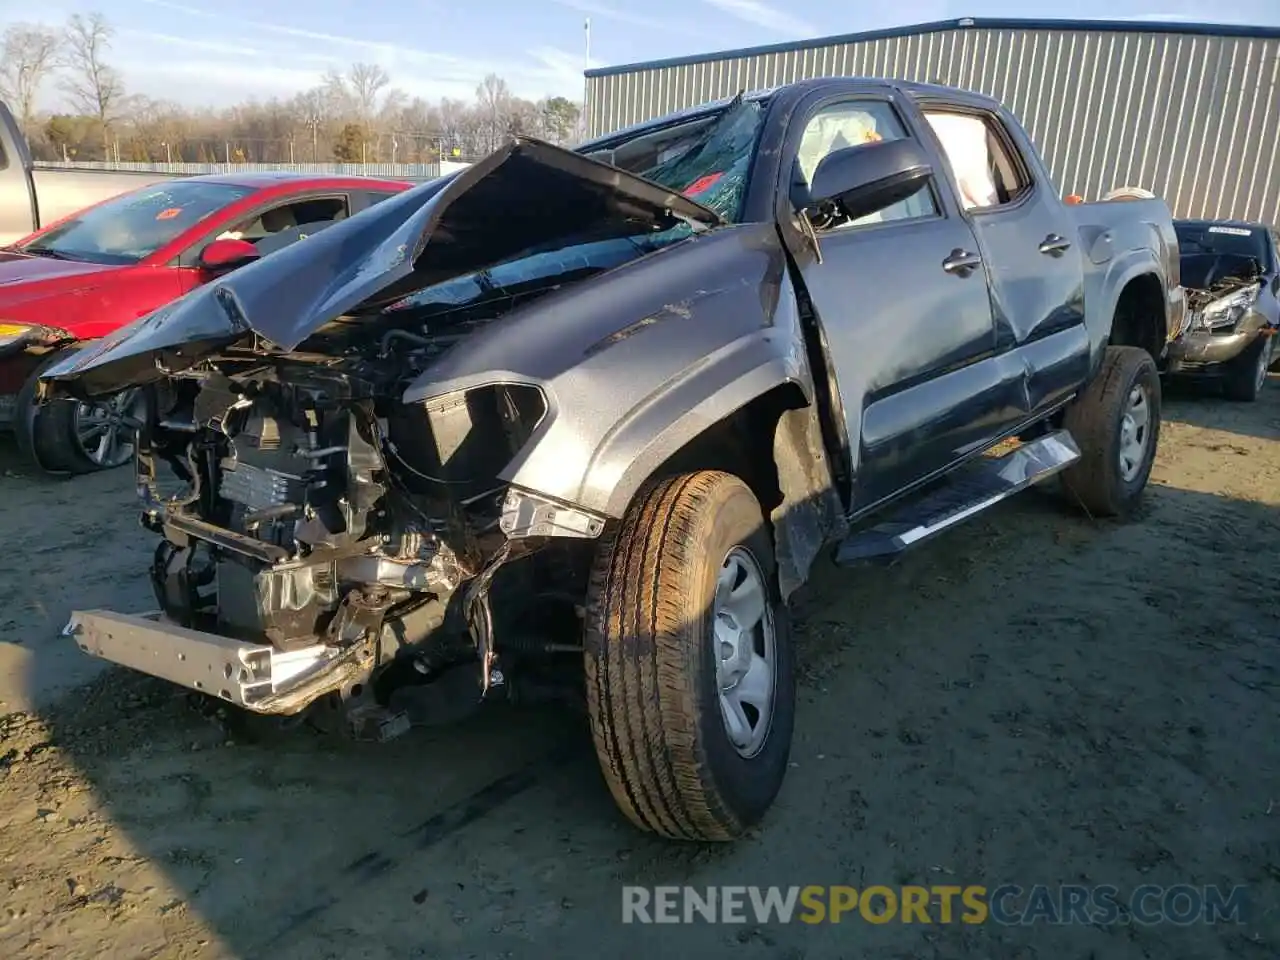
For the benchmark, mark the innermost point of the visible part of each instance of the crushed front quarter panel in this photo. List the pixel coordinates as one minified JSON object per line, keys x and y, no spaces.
{"x":638,"y":361}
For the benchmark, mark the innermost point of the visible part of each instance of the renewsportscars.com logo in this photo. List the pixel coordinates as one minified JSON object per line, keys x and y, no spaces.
{"x":1007,"y":904}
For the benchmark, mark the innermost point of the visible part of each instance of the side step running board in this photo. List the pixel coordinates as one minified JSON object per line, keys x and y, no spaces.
{"x":971,"y":490}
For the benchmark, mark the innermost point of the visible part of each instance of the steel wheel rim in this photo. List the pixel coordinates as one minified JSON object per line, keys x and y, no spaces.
{"x":104,"y":429}
{"x":746,"y":653}
{"x":1264,"y":362}
{"x":1135,"y":432}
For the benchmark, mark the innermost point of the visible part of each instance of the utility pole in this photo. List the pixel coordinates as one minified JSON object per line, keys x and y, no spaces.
{"x":586,"y":65}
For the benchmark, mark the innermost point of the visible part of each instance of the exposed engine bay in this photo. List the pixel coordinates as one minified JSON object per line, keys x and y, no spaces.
{"x":359,"y":537}
{"x":1218,"y":279}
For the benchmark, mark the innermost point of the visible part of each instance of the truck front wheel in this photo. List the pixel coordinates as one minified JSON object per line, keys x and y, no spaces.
{"x":1116,"y":423}
{"x":689,"y":669}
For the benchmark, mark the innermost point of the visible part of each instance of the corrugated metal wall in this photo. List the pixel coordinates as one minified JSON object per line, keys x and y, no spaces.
{"x":1195,"y":118}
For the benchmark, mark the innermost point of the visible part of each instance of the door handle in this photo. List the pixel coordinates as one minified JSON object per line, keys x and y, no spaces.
{"x":961,"y":262}
{"x":1054,"y":244}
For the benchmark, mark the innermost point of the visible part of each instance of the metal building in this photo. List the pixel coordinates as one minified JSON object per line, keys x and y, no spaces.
{"x":1189,"y":111}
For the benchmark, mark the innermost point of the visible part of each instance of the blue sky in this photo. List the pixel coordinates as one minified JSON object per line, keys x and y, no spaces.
{"x":219,"y":51}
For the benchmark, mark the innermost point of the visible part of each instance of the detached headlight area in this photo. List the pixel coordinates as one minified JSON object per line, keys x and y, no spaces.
{"x":1229,"y":310}
{"x":15,"y":337}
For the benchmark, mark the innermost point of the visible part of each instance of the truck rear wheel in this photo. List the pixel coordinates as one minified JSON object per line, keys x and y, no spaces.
{"x":689,"y":670}
{"x":1116,"y":423}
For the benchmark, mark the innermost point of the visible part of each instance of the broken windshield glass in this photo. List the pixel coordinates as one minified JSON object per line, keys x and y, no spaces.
{"x":709,"y":163}
{"x":713,"y":168}
{"x":559,"y":261}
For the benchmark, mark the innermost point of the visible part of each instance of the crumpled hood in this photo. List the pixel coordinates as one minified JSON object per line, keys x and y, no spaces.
{"x":527,"y":194}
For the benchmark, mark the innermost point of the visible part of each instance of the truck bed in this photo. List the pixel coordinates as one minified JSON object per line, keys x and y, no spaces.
{"x":1107,"y":228}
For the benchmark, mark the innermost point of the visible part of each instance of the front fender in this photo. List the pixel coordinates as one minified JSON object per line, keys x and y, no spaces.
{"x":678,"y":412}
{"x":636,"y":362}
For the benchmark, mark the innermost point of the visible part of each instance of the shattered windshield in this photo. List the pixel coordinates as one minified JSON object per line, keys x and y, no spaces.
{"x":708,"y":160}
{"x":1218,"y":239}
{"x":557,"y":262}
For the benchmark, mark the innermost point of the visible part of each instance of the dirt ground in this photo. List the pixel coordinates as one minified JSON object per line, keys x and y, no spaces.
{"x":1037,"y":698}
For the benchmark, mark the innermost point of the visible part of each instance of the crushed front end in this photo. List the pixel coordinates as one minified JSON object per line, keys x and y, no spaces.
{"x":340,"y":519}
{"x":1224,"y":322}
{"x":328,"y":543}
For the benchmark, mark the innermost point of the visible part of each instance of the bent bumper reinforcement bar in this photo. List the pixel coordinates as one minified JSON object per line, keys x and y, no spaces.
{"x":256,"y":677}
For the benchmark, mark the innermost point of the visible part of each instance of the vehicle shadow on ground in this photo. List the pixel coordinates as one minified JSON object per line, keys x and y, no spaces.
{"x":1033,"y":698}
{"x":63,"y":543}
{"x":1203,"y":405}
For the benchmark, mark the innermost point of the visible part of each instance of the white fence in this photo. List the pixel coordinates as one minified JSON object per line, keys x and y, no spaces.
{"x":390,"y":171}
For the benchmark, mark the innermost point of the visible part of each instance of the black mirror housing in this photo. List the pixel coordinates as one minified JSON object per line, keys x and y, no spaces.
{"x":869,"y":177}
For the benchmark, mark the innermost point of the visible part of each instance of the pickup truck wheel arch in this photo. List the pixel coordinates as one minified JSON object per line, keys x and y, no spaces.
{"x":1138,"y":319}
{"x":677,"y":759}
{"x":774,"y":443}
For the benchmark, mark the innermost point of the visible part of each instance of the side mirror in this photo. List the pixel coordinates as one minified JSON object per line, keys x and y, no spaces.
{"x":227,"y":254}
{"x":869,"y":177}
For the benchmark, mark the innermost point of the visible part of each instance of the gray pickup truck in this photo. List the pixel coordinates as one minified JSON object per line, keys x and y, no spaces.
{"x":581,"y":421}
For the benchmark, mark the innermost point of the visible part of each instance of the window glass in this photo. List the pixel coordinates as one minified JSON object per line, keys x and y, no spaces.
{"x":289,"y":218}
{"x":374,"y":197}
{"x":708,"y":160}
{"x":853,"y":124}
{"x":985,"y":171}
{"x":1220,"y":238}
{"x":127,"y":228}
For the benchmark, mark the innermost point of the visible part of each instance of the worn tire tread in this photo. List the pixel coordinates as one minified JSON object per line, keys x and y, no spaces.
{"x":641,"y":697}
{"x":1091,"y":419}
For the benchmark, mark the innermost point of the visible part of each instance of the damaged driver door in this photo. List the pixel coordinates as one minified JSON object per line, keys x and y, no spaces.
{"x":901,"y":298}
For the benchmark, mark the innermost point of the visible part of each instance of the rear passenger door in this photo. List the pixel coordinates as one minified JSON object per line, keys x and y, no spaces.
{"x":1030,"y":249}
{"x":901,"y":303}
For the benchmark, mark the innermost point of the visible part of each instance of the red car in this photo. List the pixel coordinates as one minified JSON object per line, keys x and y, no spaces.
{"x":95,"y":271}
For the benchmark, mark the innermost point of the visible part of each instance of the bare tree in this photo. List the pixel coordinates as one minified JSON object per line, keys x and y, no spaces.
{"x":338,"y":98}
{"x":367,"y":80}
{"x":356,"y":112}
{"x":494,"y":99}
{"x":27,"y":53}
{"x":315,"y":112}
{"x":95,"y":88}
